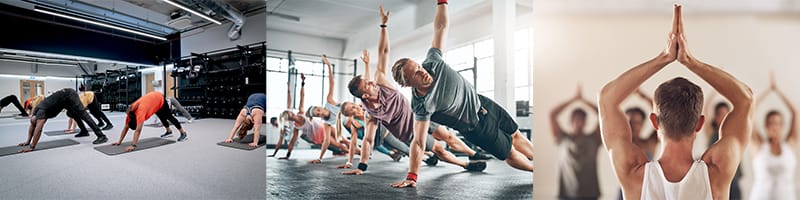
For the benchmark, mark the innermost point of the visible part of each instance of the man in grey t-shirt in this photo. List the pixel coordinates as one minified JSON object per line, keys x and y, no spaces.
{"x":443,"y":96}
{"x":387,"y":106}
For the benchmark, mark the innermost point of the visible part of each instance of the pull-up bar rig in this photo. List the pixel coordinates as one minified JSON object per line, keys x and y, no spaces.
{"x":290,"y":55}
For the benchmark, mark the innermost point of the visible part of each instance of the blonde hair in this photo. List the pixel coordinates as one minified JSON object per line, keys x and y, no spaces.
{"x":246,"y":125}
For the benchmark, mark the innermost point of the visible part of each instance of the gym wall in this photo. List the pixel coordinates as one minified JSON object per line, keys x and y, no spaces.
{"x":215,"y":37}
{"x":593,"y":50}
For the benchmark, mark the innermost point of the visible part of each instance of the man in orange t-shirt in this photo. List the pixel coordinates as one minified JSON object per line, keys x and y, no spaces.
{"x":142,"y":109}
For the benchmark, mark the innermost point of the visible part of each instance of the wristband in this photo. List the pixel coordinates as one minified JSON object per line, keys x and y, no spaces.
{"x":348,"y":163}
{"x":362,"y":166}
{"x":303,"y":83}
{"x":383,"y":25}
{"x":288,"y":154}
{"x":134,"y":145}
{"x":411,"y":176}
{"x":440,"y":2}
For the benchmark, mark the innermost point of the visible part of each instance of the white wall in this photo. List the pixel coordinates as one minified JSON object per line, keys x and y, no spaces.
{"x":595,"y":49}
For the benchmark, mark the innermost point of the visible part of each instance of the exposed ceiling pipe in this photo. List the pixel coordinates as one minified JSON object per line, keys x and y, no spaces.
{"x":228,"y":12}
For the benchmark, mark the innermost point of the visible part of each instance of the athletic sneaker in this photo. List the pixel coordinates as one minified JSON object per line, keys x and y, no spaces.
{"x":396,"y":156}
{"x":100,"y":140}
{"x":476,"y":166}
{"x":432,"y":160}
{"x":82,"y":134}
{"x":167,"y":134}
{"x":479,"y":156}
{"x":182,"y":138}
{"x":108,"y":127}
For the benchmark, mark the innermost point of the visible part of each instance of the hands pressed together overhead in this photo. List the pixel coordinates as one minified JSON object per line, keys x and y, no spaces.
{"x":677,"y":46}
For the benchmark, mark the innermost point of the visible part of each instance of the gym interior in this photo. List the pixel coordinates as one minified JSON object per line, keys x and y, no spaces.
{"x":489,"y":44}
{"x":200,"y":58}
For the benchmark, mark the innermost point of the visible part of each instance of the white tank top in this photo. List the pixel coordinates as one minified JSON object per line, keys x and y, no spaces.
{"x":773,"y":176}
{"x":695,"y":185}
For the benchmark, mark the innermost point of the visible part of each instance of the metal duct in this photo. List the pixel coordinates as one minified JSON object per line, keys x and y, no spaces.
{"x":228,"y":12}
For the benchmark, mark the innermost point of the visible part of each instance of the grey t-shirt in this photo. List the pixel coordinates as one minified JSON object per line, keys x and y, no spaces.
{"x":334,"y":110}
{"x":394,"y":113}
{"x":577,"y":161}
{"x":450,"y":101}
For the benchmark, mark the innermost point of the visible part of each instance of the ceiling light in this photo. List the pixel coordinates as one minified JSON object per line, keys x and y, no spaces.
{"x":37,"y":9}
{"x":35,"y":62}
{"x":192,"y":11}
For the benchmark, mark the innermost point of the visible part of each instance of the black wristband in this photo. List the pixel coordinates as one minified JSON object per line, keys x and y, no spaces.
{"x":383,"y":26}
{"x":134,"y":145}
{"x":288,"y":154}
{"x":362,"y":166}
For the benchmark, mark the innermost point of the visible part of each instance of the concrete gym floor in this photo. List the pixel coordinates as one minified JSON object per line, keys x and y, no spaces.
{"x":297,"y":179}
{"x":195,"y":169}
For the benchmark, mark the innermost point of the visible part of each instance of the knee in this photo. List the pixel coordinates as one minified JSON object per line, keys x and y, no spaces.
{"x":439,"y":149}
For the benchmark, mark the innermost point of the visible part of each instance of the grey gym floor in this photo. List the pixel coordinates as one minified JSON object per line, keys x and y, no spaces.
{"x":195,"y":169}
{"x":297,"y":179}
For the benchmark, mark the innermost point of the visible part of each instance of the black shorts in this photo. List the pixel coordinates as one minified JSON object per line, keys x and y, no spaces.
{"x":494,"y":129}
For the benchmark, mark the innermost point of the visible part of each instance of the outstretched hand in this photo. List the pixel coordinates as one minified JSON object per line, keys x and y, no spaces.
{"x":365,"y":56}
{"x":384,"y":15}
{"x":325,"y":60}
{"x":303,"y":77}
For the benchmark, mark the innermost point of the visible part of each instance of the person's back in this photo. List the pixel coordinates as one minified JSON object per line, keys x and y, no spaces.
{"x":677,"y":117}
{"x":694,"y":185}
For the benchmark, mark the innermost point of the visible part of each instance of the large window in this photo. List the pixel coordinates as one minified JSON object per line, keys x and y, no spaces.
{"x":461,"y":58}
{"x":276,"y":87}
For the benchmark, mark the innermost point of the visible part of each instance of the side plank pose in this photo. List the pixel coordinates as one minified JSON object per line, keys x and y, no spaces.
{"x":386,"y":105}
{"x":329,"y":113}
{"x":677,"y":117}
{"x":774,"y":160}
{"x":313,"y":130}
{"x":442,"y":95}
{"x":50,"y":107}
{"x":577,"y":152}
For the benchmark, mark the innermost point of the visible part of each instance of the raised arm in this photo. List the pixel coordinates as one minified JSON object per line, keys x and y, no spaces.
{"x":330,"y":80}
{"x":708,"y":110}
{"x":365,"y":58}
{"x":288,"y":95}
{"x":756,"y":138}
{"x":791,"y":137}
{"x":555,"y":127}
{"x":440,"y":25}
{"x":592,"y":105}
{"x":302,"y":94}
{"x":383,"y":52}
{"x":735,"y":129}
{"x":626,"y":157}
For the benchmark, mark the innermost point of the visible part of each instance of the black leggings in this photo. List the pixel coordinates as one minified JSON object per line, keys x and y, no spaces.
{"x":164,"y":114}
{"x":12,"y":99}
{"x":98,"y":114}
{"x":66,"y":99}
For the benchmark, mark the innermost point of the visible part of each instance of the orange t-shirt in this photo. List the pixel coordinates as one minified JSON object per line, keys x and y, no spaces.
{"x":146,"y":106}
